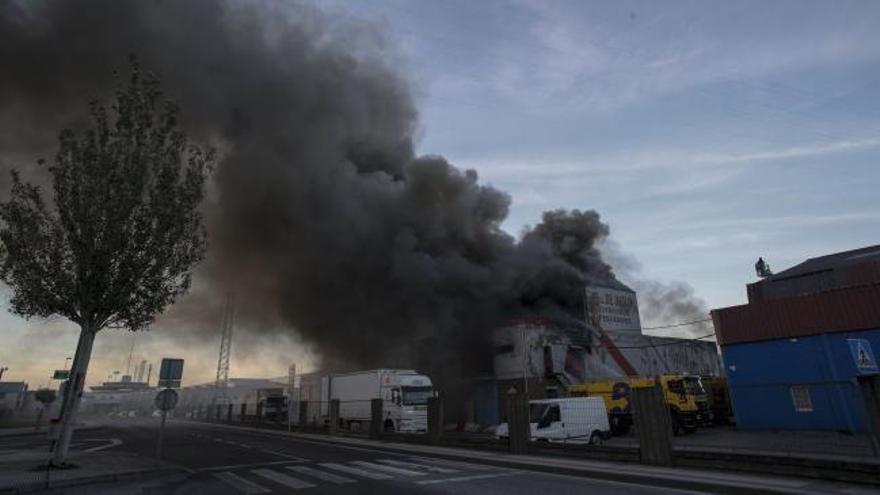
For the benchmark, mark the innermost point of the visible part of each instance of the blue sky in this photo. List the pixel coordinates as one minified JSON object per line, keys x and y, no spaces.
{"x":706,"y":133}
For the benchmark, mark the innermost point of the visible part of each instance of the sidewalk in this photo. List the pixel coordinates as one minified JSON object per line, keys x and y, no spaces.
{"x":686,"y":478}
{"x":29,"y":430}
{"x":20,"y":471}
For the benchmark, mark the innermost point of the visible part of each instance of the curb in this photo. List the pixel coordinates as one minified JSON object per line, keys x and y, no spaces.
{"x":746,"y":484}
{"x":42,"y":431}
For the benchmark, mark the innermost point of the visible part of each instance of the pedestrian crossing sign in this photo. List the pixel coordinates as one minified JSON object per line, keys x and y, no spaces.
{"x":863,"y":356}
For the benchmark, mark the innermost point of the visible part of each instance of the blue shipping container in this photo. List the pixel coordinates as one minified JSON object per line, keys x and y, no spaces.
{"x":799,"y":383}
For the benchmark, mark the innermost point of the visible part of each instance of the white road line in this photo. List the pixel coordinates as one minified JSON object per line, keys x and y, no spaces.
{"x":282,"y":454}
{"x":455,"y":464}
{"x":240,"y":484}
{"x":249,"y":465}
{"x":388,"y":469}
{"x":353,"y":470}
{"x":288,"y":481}
{"x":413,"y":465}
{"x":113,"y":443}
{"x":321,"y":475}
{"x":465,"y":478}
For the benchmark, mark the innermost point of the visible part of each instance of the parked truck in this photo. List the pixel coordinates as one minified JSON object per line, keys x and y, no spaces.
{"x":719,"y":399}
{"x":272,"y":404}
{"x":694,"y":387}
{"x":404,"y":395}
{"x":680,"y":400}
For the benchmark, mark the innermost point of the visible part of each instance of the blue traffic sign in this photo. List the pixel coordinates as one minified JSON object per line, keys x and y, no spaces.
{"x":170,"y":373}
{"x":863,"y":356}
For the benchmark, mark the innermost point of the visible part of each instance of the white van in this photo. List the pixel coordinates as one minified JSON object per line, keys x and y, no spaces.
{"x":573,"y":419}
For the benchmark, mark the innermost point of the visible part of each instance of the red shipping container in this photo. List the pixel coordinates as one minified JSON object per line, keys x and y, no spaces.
{"x":848,"y":309}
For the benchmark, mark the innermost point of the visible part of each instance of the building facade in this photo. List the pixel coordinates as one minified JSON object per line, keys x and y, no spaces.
{"x":12,"y":397}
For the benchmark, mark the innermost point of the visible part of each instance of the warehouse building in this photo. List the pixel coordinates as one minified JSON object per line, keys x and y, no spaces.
{"x":544,"y":358}
{"x":802,"y":353}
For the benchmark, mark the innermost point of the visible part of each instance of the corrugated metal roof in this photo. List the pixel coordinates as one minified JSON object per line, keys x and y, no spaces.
{"x":822,"y":273}
{"x":830,"y":262}
{"x":854,"y":308}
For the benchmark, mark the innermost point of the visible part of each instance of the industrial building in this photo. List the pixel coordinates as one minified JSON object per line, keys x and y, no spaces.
{"x":544,"y":359}
{"x":802,"y":353}
{"x":13,"y":397}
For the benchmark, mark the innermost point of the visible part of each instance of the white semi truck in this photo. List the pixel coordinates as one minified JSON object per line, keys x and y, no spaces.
{"x":404,"y":395}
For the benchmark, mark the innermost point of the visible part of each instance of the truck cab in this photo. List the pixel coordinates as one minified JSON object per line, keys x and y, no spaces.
{"x":695,"y":388}
{"x":682,"y":403}
{"x":408,"y":408}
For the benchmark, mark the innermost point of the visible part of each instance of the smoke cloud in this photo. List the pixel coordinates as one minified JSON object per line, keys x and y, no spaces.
{"x":322,"y":220}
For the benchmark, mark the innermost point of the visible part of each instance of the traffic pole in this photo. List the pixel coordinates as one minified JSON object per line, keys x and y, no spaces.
{"x":159,"y":441}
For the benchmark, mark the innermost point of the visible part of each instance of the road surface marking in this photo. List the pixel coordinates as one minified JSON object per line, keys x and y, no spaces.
{"x":283,"y":479}
{"x":250,"y":465}
{"x":413,"y":465}
{"x":113,"y":443}
{"x":454,"y":464}
{"x":332,"y":478}
{"x":465,"y":478}
{"x":354,"y":470}
{"x":388,"y":469}
{"x":240,"y":484}
{"x":282,"y":454}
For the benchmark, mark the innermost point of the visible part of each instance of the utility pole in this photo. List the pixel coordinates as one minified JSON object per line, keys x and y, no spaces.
{"x":291,"y":380}
{"x":522,"y":334}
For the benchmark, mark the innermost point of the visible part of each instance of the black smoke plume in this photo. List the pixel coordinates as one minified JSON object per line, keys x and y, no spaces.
{"x":322,"y":219}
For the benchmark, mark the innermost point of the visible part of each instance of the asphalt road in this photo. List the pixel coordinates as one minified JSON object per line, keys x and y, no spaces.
{"x":216,"y":460}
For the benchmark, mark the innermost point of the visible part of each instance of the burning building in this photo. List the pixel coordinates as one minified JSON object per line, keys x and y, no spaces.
{"x":544,"y":358}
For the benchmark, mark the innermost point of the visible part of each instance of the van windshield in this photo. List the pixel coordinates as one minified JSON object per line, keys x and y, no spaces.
{"x":416,"y":396}
{"x":537,"y":411}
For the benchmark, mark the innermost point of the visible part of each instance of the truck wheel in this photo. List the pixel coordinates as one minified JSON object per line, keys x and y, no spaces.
{"x":596,"y":438}
{"x":389,"y":425}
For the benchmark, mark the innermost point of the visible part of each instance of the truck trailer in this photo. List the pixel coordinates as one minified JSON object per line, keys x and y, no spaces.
{"x":404,"y":395}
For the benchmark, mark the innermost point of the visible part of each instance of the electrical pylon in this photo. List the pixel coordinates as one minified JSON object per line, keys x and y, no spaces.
{"x":222,"y":382}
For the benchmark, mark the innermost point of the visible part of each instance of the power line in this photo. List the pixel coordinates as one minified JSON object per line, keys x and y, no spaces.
{"x":680,"y":342}
{"x":683,"y":324}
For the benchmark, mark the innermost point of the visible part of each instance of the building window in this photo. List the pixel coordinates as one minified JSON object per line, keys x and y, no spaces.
{"x":800,"y":395}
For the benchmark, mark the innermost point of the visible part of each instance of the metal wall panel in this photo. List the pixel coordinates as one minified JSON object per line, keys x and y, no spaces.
{"x":856,"y":308}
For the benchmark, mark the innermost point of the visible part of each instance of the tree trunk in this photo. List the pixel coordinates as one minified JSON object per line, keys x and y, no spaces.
{"x":73,"y":393}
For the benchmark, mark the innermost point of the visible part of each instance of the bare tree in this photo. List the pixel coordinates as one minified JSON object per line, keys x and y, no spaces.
{"x":119,"y":240}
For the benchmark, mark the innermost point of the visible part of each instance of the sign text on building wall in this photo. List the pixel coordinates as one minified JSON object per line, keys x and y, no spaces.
{"x":613,"y":309}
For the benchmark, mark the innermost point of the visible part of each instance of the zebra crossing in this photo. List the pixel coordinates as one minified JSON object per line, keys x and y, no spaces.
{"x":278,"y":478}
